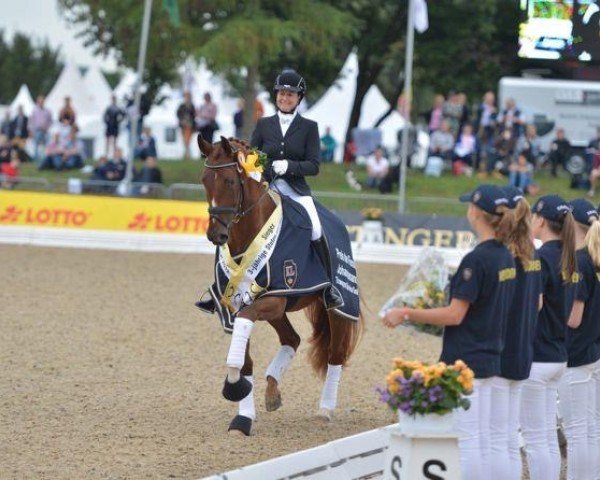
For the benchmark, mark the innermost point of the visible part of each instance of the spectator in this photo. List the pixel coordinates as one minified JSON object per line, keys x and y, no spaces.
{"x":504,"y":149}
{"x":10,"y":171}
{"x":116,"y":168}
{"x":54,"y":154}
{"x":453,"y":112}
{"x":206,"y":118}
{"x":465,"y":151}
{"x":328,"y":146}
{"x":5,"y":128}
{"x":593,"y":149}
{"x":100,"y":170}
{"x":377,"y":168}
{"x":436,"y":114}
{"x":512,"y":118}
{"x":146,"y":146}
{"x":5,"y":149}
{"x":238,"y":118}
{"x":593,"y":153}
{"x":560,"y":151}
{"x":485,"y":126}
{"x":350,"y":152}
{"x":149,"y":174}
{"x":185,"y":115}
{"x":19,"y":129}
{"x":73,"y":151}
{"x":113,"y":116}
{"x":464,"y":116}
{"x":67,"y":113}
{"x":39,"y":124}
{"x":441,"y":142}
{"x":529,"y":144}
{"x":520,"y":173}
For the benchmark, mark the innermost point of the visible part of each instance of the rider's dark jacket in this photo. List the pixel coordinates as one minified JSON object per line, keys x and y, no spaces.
{"x":300,"y":146}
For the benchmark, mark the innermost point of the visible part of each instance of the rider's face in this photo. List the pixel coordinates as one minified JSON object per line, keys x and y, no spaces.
{"x":287,"y":101}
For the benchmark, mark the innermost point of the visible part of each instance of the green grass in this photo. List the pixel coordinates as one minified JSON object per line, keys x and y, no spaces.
{"x":425,"y":195}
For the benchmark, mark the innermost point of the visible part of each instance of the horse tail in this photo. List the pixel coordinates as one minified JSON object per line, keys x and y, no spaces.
{"x":347,"y":335}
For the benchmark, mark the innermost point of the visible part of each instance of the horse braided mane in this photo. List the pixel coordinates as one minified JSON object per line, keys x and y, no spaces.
{"x":242,"y":145}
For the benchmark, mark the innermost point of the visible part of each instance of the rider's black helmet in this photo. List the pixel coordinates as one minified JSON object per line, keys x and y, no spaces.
{"x":290,"y":80}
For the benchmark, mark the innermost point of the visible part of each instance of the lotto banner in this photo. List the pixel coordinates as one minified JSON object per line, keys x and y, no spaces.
{"x":102,"y":213}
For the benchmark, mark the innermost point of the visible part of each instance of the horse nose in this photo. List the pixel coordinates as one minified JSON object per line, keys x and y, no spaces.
{"x":221,"y":238}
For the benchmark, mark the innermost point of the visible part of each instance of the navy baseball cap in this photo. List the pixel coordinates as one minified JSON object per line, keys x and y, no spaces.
{"x":583,"y":211}
{"x":486,"y":197}
{"x":514,"y":194}
{"x":551,"y":207}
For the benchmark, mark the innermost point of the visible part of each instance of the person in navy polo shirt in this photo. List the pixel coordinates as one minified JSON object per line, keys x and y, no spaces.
{"x":577,"y":389}
{"x":517,"y":354}
{"x":481,"y":292}
{"x":554,"y":225}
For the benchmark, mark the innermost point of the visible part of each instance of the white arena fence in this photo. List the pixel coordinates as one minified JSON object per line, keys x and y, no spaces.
{"x":154,"y":242}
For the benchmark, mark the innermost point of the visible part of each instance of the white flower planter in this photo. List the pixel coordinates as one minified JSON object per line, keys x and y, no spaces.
{"x":426,"y":424}
{"x":372,"y":231}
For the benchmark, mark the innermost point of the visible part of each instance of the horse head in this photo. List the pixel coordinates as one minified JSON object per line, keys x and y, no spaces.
{"x":229,"y":194}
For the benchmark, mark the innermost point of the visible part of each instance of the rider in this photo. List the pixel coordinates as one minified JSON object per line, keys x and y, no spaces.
{"x":292,"y":145}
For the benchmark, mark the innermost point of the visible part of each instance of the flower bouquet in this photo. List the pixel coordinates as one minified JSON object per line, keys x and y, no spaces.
{"x":424,"y":286}
{"x":419,"y":388}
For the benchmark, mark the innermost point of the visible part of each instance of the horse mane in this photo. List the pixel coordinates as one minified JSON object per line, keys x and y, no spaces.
{"x":240,"y":144}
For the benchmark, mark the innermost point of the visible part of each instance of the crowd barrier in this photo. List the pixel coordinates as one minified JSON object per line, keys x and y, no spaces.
{"x":87,"y":221}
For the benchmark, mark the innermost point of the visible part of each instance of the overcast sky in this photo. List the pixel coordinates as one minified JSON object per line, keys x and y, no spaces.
{"x":41,"y":19}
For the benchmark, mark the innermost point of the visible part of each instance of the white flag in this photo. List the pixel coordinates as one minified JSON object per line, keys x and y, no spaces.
{"x":421,"y":15}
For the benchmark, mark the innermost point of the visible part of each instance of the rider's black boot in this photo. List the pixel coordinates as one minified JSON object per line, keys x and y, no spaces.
{"x":331,"y":295}
{"x":206,"y":304}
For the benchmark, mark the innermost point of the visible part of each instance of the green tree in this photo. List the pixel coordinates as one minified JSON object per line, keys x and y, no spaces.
{"x":248,"y":39}
{"x":25,"y":61}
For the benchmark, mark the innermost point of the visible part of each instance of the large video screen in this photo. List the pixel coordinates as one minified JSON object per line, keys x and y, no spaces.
{"x":560,"y":30}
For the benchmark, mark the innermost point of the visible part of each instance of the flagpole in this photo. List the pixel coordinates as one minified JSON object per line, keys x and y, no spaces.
{"x":138,"y":93}
{"x":408,"y":65}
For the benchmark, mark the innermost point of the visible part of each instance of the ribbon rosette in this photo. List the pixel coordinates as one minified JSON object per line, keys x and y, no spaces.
{"x":251,"y":164}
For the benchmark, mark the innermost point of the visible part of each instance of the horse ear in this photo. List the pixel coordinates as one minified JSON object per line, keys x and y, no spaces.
{"x":205,"y":147}
{"x":226,"y":146}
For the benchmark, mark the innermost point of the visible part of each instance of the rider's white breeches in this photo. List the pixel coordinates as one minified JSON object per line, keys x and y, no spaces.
{"x":306,"y":201}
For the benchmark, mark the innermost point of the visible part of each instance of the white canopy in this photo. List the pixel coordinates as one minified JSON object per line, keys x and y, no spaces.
{"x":70,"y":84}
{"x":24,"y":99}
{"x":98,"y":88}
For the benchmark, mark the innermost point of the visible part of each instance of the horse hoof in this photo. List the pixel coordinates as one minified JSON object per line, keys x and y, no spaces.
{"x":325,"y":414}
{"x":240,"y":424}
{"x":237,"y":391}
{"x":272,"y":403}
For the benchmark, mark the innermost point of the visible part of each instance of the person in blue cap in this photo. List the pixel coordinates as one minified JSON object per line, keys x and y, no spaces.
{"x":517,"y":354}
{"x":481,"y":292}
{"x":554,"y":225}
{"x":578,"y":388}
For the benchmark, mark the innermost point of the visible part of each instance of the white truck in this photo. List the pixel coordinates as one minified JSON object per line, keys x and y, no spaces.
{"x":550,"y":104}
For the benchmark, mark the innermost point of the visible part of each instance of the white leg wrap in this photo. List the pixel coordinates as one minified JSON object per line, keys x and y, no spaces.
{"x":242,"y":328}
{"x":330,"y":388}
{"x":246,"y":406}
{"x":280,"y":362}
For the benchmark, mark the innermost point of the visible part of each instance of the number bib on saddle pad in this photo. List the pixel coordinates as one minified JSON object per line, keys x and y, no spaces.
{"x":282,"y":262}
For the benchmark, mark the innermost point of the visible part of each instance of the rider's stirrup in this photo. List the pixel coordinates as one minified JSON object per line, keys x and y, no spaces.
{"x":331,"y":295}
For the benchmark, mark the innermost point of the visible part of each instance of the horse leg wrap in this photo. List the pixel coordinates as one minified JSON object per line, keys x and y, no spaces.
{"x":242,"y":329}
{"x":242,"y":424}
{"x":280,"y":363}
{"x":236,"y":387}
{"x":246,"y":406}
{"x":330,"y":388}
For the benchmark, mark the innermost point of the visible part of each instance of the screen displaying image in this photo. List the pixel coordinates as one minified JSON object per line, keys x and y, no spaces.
{"x":560,"y":30}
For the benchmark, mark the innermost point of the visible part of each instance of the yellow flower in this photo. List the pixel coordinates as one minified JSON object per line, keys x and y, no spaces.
{"x":459,"y":365}
{"x":250,"y":164}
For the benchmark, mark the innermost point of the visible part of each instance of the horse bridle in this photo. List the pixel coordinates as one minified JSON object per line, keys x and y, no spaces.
{"x":237,"y":212}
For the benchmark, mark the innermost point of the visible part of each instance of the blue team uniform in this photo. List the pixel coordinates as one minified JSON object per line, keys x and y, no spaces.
{"x":486,"y":279}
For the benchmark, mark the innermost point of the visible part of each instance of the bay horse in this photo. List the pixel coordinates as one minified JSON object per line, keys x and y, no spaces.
{"x":239,"y":206}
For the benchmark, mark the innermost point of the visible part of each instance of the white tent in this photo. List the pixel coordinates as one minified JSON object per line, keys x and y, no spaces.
{"x":70,"y":84}
{"x":24,"y":99}
{"x":98,"y":88}
{"x":125,"y":86}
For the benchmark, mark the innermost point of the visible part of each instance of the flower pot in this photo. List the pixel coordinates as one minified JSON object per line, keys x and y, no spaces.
{"x":428,"y":424}
{"x":372,"y":231}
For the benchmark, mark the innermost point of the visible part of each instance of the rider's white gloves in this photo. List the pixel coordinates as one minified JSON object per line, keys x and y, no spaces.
{"x":280,"y":167}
